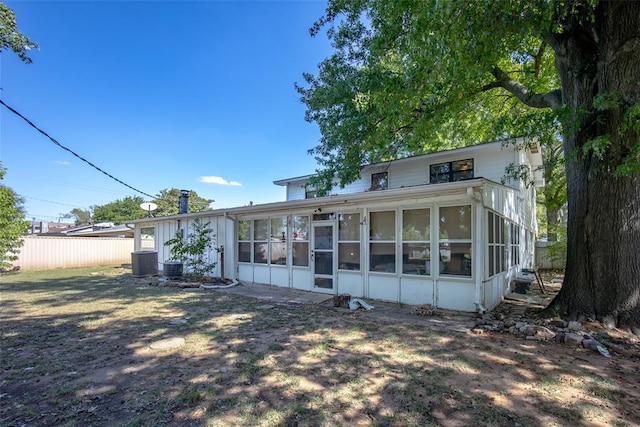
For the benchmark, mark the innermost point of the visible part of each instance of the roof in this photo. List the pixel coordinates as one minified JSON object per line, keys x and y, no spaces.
{"x":334,"y":200}
{"x":116,"y":231}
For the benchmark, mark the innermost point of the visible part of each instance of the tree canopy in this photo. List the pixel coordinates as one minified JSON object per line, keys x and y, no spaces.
{"x":128,"y":208}
{"x":419,"y":76}
{"x":12,"y":223}
{"x":11,"y":37}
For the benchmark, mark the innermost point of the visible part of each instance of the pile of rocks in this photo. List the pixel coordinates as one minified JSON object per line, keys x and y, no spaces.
{"x":559,"y":331}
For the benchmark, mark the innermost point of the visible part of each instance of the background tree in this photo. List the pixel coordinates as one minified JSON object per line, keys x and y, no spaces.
{"x":80,"y":216}
{"x":11,"y":37}
{"x":120,"y":211}
{"x":12,"y":224}
{"x":412,"y":77}
{"x":123,"y":210}
{"x":167,"y":201}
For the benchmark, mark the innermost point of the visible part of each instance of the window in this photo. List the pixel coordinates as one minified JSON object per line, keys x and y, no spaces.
{"x":496,"y":243}
{"x":349,"y":241}
{"x":515,"y":244}
{"x":278,"y":241}
{"x":260,"y":242}
{"x":416,"y":241}
{"x":379,"y":181}
{"x":300,"y":240}
{"x":310,"y":191}
{"x":244,"y":241}
{"x":147,"y":238}
{"x":382,"y":245}
{"x":451,"y":171}
{"x":455,"y":240}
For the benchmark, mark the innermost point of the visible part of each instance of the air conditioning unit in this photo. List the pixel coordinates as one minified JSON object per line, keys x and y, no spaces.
{"x":144,"y":263}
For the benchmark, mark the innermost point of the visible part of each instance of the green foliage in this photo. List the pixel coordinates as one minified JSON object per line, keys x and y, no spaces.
{"x":123,"y":210}
{"x":410,"y":78}
{"x":120,"y":211}
{"x":194,"y":249}
{"x":167,"y":201}
{"x":81,"y":216}
{"x":11,"y":37}
{"x":12,"y":224}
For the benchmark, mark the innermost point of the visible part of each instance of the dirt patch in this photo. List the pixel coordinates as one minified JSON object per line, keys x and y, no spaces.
{"x":76,"y":350}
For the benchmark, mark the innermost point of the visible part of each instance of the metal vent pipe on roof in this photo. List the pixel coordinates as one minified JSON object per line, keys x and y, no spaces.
{"x":183,"y":202}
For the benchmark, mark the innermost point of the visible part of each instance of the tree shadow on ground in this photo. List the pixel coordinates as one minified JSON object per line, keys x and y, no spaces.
{"x":76,"y":350}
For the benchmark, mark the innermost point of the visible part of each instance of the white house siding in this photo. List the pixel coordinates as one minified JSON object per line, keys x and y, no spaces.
{"x":489,"y":160}
{"x":296,"y":191}
{"x":518,"y":208}
{"x":468,"y":289}
{"x":222,"y":228}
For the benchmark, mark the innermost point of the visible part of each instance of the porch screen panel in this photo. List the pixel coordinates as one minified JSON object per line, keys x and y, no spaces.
{"x":349,"y":241}
{"x":300,"y":240}
{"x":416,"y":241}
{"x":260,"y":243}
{"x":278,"y":240}
{"x":382,"y":242}
{"x":455,"y":240}
{"x":244,"y":241}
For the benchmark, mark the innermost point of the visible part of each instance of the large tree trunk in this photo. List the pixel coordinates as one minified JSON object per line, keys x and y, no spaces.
{"x":602,"y":278}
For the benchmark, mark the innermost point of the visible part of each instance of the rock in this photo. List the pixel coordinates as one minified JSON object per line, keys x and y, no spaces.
{"x":572,"y":338}
{"x":509,"y":323}
{"x":595,"y":346}
{"x":574,"y":326}
{"x":540,"y":333}
{"x":558,"y":323}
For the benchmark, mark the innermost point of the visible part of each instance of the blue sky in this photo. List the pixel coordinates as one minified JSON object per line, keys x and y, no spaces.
{"x":189,"y":95}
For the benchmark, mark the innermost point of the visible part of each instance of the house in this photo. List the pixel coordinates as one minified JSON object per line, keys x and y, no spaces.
{"x":435,"y":229}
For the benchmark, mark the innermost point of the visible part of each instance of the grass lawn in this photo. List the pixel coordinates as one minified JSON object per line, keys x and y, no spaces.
{"x":75,"y":350}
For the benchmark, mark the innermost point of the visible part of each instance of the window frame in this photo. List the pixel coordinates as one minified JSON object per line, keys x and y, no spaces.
{"x":248,"y":241}
{"x":310,"y":191}
{"x":451,"y":171}
{"x":347,"y":241}
{"x":514,"y":244}
{"x":380,"y":242}
{"x":295,"y":241}
{"x":147,"y":247}
{"x":450,"y":243}
{"x":496,"y":243}
{"x":426,"y":241}
{"x":379,"y":181}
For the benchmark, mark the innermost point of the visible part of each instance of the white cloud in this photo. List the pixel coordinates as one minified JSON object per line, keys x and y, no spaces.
{"x":62,"y":162}
{"x":219,"y":181}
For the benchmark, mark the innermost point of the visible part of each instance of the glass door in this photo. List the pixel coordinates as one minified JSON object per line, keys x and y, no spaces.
{"x":322,"y":256}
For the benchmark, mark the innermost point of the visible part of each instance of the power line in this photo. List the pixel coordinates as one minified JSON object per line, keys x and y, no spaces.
{"x":71,"y":151}
{"x":56,"y":203}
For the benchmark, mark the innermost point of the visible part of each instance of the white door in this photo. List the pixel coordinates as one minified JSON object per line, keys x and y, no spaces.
{"x":322,"y":257}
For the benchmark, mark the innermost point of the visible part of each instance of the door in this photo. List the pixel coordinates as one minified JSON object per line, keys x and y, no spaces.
{"x":322,"y":257}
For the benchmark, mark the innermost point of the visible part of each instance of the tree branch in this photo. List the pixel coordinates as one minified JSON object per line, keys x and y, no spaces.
{"x":552,"y":99}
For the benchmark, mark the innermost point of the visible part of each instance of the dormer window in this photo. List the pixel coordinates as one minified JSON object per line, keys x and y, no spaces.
{"x":458,"y":170}
{"x":379,"y":181}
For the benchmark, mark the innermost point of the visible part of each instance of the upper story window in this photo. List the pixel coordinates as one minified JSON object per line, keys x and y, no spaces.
{"x":451,"y":171}
{"x":379,"y":181}
{"x":310,"y":191}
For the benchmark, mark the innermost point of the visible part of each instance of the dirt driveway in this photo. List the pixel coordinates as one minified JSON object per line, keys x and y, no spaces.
{"x":89,"y":347}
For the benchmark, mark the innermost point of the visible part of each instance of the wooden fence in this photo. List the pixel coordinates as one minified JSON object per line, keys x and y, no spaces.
{"x":550,"y":255}
{"x":49,"y":252}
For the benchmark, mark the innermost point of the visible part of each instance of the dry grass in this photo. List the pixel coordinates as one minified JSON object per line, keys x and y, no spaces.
{"x":75,"y":351}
